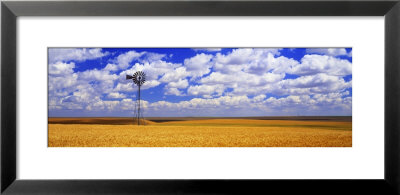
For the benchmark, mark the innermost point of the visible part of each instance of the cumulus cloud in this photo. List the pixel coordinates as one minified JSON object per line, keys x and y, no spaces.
{"x":314,"y":64}
{"x":125,"y":87}
{"x":319,"y":83}
{"x":174,"y":75}
{"x":259,"y":71}
{"x":62,"y":79}
{"x":123,"y":61}
{"x":241,"y":78}
{"x":173,"y":91}
{"x":98,"y":75}
{"x":76,"y":54}
{"x":237,"y":105}
{"x":60,"y":68}
{"x":111,"y":67}
{"x":329,"y":51}
{"x":239,"y":59}
{"x":198,"y":65}
{"x":206,"y":90}
{"x":260,"y":78}
{"x":76,"y":90}
{"x":151,"y":57}
{"x":180,"y":84}
{"x":270,"y":63}
{"x":153,"y":70}
{"x":115,"y":95}
{"x":200,"y":103}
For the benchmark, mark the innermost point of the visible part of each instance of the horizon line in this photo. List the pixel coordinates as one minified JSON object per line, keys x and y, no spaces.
{"x":194,"y":116}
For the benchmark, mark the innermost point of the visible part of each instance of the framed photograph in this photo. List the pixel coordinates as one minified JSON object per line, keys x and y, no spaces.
{"x":199,"y":97}
{"x":205,"y":97}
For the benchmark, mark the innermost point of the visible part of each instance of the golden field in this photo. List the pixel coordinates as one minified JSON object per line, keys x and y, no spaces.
{"x":202,"y":133}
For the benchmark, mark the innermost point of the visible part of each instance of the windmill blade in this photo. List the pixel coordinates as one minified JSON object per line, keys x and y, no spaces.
{"x":140,"y":73}
{"x":139,"y":78}
{"x":128,"y":77}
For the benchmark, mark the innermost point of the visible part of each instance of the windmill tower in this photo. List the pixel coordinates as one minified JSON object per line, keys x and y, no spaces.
{"x":138,"y":79}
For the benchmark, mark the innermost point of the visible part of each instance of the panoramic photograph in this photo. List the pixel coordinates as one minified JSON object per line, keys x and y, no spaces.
{"x":199,"y":97}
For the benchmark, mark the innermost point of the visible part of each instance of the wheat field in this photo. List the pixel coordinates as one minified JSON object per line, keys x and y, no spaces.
{"x":205,"y":133}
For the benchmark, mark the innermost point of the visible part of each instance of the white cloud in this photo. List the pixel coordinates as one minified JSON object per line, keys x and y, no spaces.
{"x":321,"y":81}
{"x":181,"y":84}
{"x":127,"y":104}
{"x":239,"y":59}
{"x":314,"y":64}
{"x":77,"y":54}
{"x":235,"y":77}
{"x":61,"y":69}
{"x":111,"y":67}
{"x":123,"y":61}
{"x":173,"y":91}
{"x":259,"y":98}
{"x":150,"y":84}
{"x":243,"y":72}
{"x":172,"y":88}
{"x":151,"y":57}
{"x":152,"y":70}
{"x":125,"y":87}
{"x":241,"y":78}
{"x":198,"y":65}
{"x":97,"y":75}
{"x":174,"y":75}
{"x":115,"y":95}
{"x":155,"y":69}
{"x":328,"y":51}
{"x":62,"y":79}
{"x":115,"y":105}
{"x":85,"y":93}
{"x":270,"y":63}
{"x":103,"y":105}
{"x":206,"y":90}
{"x":242,"y":105}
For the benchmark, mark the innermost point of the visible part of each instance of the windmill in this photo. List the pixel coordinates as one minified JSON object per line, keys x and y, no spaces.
{"x":138,"y":79}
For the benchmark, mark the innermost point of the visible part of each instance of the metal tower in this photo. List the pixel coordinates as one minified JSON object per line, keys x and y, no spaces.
{"x":138,"y":78}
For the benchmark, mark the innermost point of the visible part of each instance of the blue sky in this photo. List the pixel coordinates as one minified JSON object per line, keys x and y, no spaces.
{"x":89,"y":82}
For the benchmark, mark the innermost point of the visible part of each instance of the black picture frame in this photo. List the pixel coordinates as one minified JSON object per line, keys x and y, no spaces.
{"x":10,"y":10}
